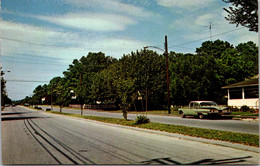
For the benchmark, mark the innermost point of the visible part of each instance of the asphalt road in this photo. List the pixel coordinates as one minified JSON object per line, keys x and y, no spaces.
{"x":239,"y":126}
{"x":35,"y":137}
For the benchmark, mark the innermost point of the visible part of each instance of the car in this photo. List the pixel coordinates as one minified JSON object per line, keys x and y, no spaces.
{"x":48,"y":109}
{"x":204,"y":108}
{"x":26,"y":104}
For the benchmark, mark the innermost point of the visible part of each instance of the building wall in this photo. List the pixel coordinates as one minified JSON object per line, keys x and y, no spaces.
{"x":253,"y":103}
{"x":248,"y":96}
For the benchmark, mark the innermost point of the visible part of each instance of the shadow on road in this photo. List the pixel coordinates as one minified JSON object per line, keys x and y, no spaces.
{"x":20,"y":118}
{"x":169,"y":161}
{"x":13,"y":113}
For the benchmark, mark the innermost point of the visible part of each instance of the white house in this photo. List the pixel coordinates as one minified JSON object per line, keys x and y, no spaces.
{"x":244,"y":93}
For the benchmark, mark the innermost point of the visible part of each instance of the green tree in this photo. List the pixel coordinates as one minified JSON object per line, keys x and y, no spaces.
{"x":213,"y":48}
{"x":4,"y":97}
{"x":243,"y":12}
{"x":81,"y":74}
{"x":62,"y":92}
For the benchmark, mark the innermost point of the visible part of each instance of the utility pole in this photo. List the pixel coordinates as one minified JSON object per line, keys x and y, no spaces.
{"x":167,"y":72}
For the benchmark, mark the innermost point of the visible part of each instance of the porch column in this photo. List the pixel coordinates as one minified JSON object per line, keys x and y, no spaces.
{"x":243,"y":93}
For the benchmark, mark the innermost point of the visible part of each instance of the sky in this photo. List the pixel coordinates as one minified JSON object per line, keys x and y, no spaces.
{"x":40,"y":38}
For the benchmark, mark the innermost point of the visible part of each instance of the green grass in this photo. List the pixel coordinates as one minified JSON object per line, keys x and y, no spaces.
{"x":151,"y":112}
{"x":245,"y":114}
{"x":247,"y":139}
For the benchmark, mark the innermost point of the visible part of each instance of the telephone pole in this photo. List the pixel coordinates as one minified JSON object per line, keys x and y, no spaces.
{"x":167,"y":73}
{"x":167,"y":69}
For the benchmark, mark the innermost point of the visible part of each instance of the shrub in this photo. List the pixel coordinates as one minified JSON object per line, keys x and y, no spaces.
{"x":234,"y":109}
{"x":244,"y":108}
{"x":141,"y":119}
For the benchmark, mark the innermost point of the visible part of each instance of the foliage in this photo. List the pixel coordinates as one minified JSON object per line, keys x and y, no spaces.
{"x":245,"y":108}
{"x":216,"y":64}
{"x":244,"y":13}
{"x":137,"y":81}
{"x":141,"y":119}
{"x":234,"y":109}
{"x":4,"y":97}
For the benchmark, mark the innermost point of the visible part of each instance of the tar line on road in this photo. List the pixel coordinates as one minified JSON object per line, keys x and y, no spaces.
{"x":49,"y":142}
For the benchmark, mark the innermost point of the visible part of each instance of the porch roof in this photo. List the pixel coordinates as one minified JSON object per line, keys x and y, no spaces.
{"x":248,"y":82}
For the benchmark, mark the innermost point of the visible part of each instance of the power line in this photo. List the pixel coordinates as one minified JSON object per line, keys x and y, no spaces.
{"x":50,"y":45}
{"x":28,"y":42}
{"x":206,"y":37}
{"x":26,"y":81}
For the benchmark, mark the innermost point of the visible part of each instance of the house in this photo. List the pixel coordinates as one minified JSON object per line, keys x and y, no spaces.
{"x":244,"y":93}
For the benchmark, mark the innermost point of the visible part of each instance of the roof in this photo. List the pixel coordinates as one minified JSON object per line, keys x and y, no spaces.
{"x":247,"y":82}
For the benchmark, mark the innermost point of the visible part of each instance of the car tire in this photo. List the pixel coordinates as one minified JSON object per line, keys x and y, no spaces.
{"x":201,"y":116}
{"x":182,"y":114}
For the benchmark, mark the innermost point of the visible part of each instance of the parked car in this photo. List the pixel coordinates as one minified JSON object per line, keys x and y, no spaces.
{"x":48,"y":109}
{"x":38,"y":108}
{"x":204,"y":108}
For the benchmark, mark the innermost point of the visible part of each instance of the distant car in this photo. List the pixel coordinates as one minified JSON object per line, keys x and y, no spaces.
{"x":26,"y":104}
{"x":38,"y":108}
{"x":7,"y":105}
{"x":48,"y":109}
{"x":204,"y":108}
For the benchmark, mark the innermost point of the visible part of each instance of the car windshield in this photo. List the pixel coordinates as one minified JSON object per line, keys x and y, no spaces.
{"x":208,"y":104}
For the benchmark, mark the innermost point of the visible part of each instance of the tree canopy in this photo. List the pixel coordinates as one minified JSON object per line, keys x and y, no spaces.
{"x":137,"y":81}
{"x":243,"y":12}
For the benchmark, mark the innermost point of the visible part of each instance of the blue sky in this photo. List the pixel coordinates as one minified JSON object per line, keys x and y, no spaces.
{"x":40,"y":38}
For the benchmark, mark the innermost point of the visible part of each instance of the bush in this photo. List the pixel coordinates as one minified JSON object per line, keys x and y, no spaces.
{"x":244,"y":108}
{"x":234,"y":109}
{"x":141,"y":119}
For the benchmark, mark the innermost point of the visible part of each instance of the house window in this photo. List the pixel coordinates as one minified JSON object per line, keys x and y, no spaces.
{"x":251,"y":92}
{"x":235,"y":93}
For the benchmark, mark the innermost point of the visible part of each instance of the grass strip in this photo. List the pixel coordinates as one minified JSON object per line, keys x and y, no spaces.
{"x":246,"y":139}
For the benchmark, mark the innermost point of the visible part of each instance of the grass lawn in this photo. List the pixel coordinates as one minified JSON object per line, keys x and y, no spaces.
{"x":245,"y":114}
{"x":150,"y":112}
{"x":247,"y":139}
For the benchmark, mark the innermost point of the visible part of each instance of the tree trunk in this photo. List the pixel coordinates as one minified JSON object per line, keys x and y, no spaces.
{"x":81,"y":110}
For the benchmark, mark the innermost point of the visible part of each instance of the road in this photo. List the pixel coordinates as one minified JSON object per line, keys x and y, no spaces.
{"x":239,"y":126}
{"x":36,"y":137}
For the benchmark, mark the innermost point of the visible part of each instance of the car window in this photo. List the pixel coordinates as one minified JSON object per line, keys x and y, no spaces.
{"x":208,"y":104}
{"x":194,"y":104}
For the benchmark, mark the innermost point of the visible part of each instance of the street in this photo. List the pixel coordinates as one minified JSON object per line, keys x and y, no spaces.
{"x":36,"y":137}
{"x":239,"y":126}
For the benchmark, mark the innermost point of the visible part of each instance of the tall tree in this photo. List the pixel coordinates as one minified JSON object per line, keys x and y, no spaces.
{"x":243,"y":12}
{"x":4,"y":97}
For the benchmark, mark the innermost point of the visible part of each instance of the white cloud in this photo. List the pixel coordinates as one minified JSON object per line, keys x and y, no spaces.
{"x":184,"y":3}
{"x":46,"y":42}
{"x":20,"y":37}
{"x":91,"y":21}
{"x":204,"y":20}
{"x":111,"y":5}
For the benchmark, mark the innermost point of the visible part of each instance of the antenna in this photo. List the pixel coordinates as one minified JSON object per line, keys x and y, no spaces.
{"x":210,"y":24}
{"x":210,"y":27}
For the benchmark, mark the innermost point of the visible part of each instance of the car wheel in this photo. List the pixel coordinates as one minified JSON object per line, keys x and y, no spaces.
{"x":201,"y":116}
{"x":182,"y":114}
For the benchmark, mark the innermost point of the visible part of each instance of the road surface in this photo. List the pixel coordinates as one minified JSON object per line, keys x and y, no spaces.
{"x":239,"y":126}
{"x":35,"y":137}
